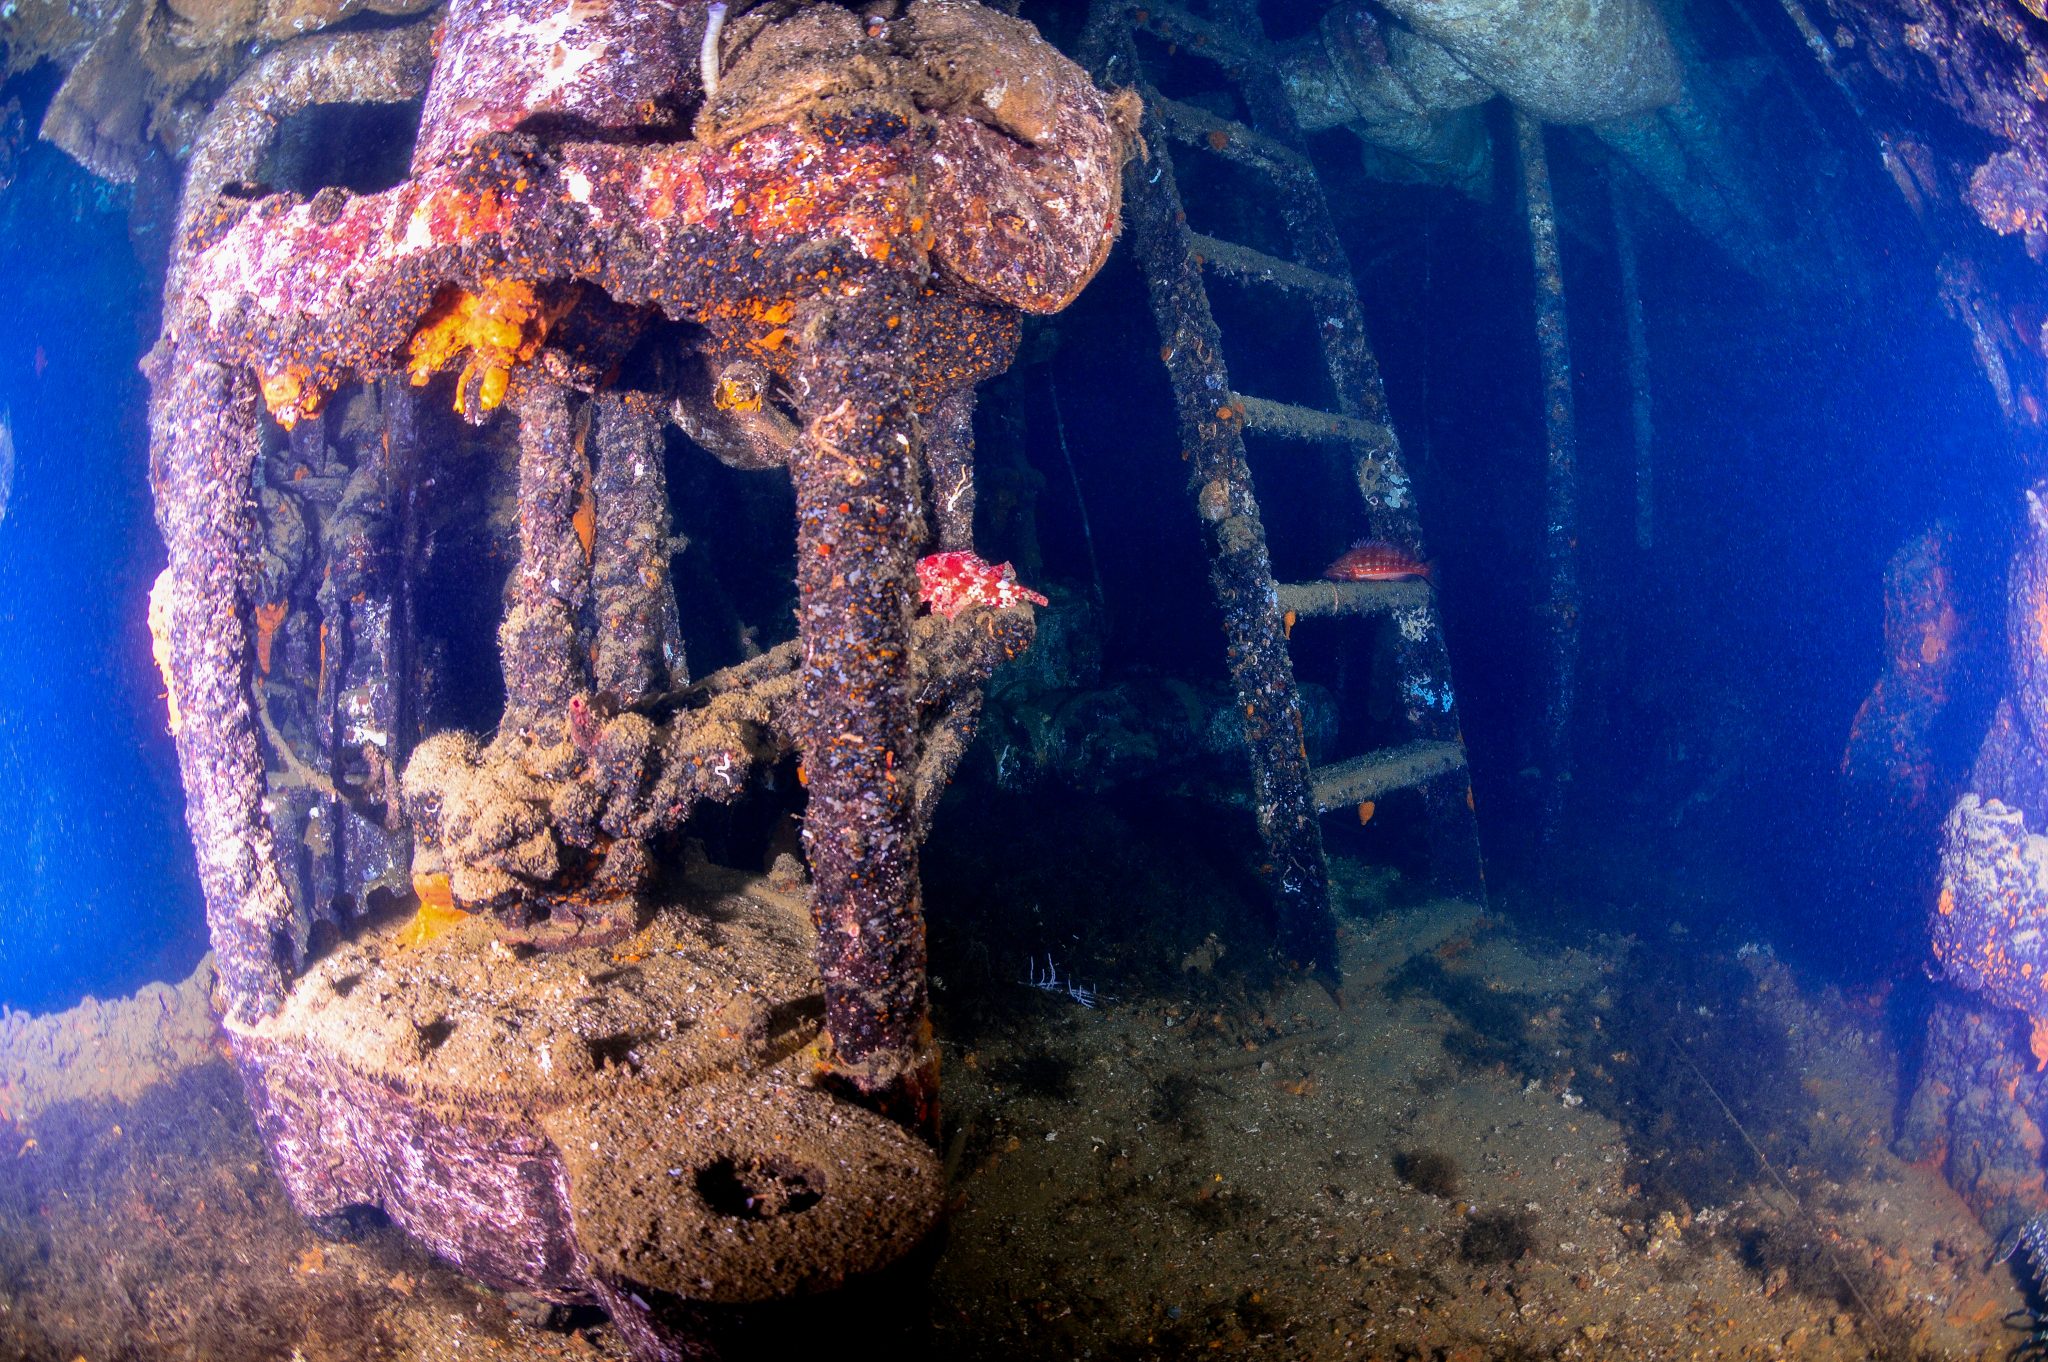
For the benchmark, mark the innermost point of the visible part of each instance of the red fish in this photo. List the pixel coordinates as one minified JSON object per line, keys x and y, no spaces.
{"x":950,"y":582}
{"x":1375,"y":560}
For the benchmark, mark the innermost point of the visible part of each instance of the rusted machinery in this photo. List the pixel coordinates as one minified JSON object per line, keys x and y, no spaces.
{"x":585,"y":1070}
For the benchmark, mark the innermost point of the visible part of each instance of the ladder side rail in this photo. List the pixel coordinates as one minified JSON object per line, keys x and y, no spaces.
{"x":1172,"y":257}
{"x":1241,"y":574}
{"x":1422,"y":658}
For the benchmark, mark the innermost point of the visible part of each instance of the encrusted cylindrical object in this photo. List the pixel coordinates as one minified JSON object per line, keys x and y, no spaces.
{"x":588,"y":69}
{"x":629,"y":586}
{"x":855,"y":475}
{"x":1023,"y":191}
{"x":543,"y":667}
{"x":203,"y":428}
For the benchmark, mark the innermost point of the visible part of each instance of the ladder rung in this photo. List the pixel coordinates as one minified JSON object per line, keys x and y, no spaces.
{"x":1242,"y":262}
{"x":1307,"y":600}
{"x":1395,"y":768}
{"x":1226,"y":137}
{"x":1307,"y":423}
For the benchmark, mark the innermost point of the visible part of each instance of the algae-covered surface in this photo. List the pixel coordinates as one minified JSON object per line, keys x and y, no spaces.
{"x":1488,"y":1144}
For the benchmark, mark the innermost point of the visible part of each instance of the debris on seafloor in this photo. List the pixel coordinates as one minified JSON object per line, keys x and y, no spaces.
{"x":1048,"y":980}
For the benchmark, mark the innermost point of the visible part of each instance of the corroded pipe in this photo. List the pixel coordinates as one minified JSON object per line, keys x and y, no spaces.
{"x":854,"y":474}
{"x":538,"y":643}
{"x":639,"y":651}
{"x":204,"y":438}
{"x":1561,"y":478}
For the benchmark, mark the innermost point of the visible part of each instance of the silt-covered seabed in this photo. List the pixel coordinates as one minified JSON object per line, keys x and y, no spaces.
{"x":1489,"y":1143}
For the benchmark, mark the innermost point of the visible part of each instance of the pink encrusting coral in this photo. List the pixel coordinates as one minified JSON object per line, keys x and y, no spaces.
{"x":950,"y":582}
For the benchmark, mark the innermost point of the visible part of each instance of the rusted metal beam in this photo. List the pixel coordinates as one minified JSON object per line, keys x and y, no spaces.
{"x":855,"y":476}
{"x":205,"y":443}
{"x":1561,"y":478}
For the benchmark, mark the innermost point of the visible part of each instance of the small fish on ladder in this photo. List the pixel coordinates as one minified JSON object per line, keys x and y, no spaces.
{"x":1376,"y":560}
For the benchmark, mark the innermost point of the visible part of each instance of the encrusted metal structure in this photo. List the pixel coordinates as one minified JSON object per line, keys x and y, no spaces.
{"x":805,"y":235}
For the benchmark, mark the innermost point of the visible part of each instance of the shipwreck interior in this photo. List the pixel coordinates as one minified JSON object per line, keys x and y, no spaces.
{"x":824,"y":660}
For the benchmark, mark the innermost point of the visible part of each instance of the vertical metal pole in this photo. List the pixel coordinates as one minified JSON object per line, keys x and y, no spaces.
{"x":1638,"y":367}
{"x":858,"y":522}
{"x":538,"y":641}
{"x":204,"y":446}
{"x":402,"y":456}
{"x":629,"y":579}
{"x":1561,"y":482}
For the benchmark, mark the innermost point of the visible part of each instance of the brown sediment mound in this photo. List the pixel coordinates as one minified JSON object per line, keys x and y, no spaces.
{"x":116,"y":1049}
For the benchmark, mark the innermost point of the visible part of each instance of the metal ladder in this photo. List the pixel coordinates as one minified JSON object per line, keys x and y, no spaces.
{"x":1126,"y":43}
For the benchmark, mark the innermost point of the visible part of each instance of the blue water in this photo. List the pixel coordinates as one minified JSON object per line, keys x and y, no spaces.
{"x":95,"y":871}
